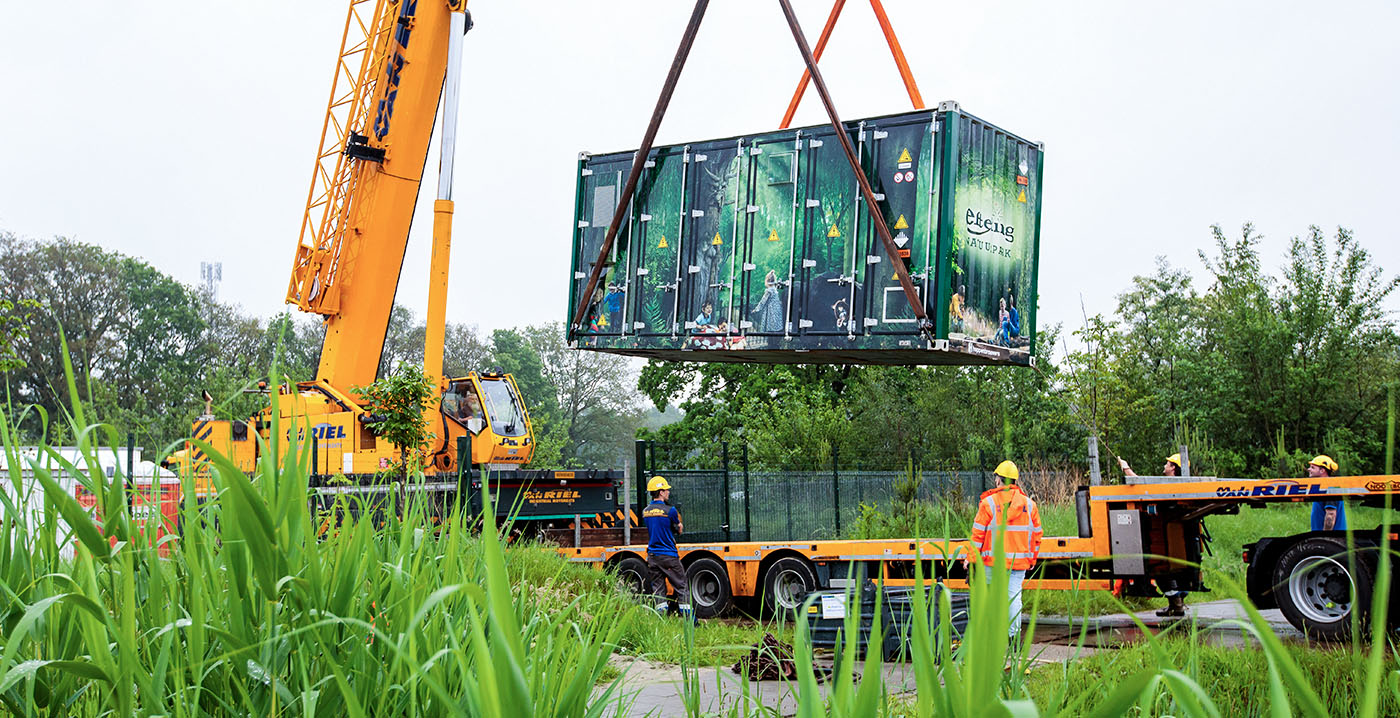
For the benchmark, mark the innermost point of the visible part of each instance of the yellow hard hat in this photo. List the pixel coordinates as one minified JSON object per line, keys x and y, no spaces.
{"x":658,"y":483}
{"x":1175,"y":459}
{"x":1007,"y":470}
{"x":1325,"y":462}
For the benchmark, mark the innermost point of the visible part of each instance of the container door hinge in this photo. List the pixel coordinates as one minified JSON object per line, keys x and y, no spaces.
{"x":745,"y":325}
{"x":701,"y":158}
{"x":643,"y":271}
{"x":582,"y":224}
{"x":879,"y":134}
{"x":649,"y":164}
{"x":749,"y":267}
{"x":586,"y":173}
{"x":697,"y":213}
{"x":580,"y":275}
{"x":809,"y":263}
{"x":872,"y":259}
{"x":693,"y":269}
{"x":813,"y":203}
{"x":690,"y":325}
{"x":872,"y":322}
{"x":751,"y":208}
{"x":639,"y":325}
{"x":755,"y":151}
{"x":644,"y":218}
{"x":814,"y":143}
{"x":804,"y":323}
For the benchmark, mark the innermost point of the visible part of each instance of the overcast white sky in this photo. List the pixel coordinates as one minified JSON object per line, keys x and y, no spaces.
{"x":185,"y":132}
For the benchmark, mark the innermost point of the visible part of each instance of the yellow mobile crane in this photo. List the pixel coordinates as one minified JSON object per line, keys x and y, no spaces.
{"x":397,"y":60}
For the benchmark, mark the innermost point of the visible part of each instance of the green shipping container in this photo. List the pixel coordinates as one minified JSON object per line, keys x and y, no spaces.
{"x":762,"y":249}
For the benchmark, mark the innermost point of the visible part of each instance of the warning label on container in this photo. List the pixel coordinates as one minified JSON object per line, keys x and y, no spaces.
{"x":833,"y":232}
{"x":900,"y":223}
{"x":773,"y":236}
{"x":716,"y":241}
{"x":662,"y":244}
{"x":905,"y":160}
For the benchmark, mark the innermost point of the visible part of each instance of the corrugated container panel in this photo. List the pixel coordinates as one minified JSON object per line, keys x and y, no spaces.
{"x":762,"y":249}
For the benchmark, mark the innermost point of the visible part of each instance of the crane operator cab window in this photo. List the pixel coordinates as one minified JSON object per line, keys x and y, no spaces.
{"x":460,"y":403}
{"x":503,"y":408}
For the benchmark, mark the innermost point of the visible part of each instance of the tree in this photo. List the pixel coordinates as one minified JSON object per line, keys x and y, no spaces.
{"x":397,"y":402}
{"x":597,"y":403}
{"x":14,"y":328}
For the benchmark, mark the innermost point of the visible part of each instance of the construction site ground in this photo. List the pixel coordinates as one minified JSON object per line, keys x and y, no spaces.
{"x":651,"y":689}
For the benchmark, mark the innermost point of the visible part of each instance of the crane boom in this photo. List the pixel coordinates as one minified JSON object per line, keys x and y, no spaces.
{"x":374,"y":144}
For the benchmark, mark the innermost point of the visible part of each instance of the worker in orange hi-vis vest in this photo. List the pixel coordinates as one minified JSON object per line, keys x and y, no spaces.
{"x":1009,"y":506}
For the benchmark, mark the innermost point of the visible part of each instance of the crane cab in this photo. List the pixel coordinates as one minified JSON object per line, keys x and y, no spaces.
{"x":486,"y":406}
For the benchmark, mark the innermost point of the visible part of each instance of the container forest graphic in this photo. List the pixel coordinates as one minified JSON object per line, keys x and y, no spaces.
{"x":761,"y":248}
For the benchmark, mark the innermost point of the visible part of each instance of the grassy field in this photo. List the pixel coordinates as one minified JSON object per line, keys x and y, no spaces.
{"x":253,"y":609}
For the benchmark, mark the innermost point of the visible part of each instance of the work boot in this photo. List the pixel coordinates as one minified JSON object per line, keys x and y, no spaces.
{"x":687,"y":614}
{"x":1176,"y":607}
{"x":661,"y":608}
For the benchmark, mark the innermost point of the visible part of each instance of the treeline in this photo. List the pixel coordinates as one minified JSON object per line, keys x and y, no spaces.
{"x":1255,"y":372}
{"x":144,"y":347}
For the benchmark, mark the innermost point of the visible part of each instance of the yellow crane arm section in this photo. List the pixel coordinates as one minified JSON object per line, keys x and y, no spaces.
{"x":374,"y":143}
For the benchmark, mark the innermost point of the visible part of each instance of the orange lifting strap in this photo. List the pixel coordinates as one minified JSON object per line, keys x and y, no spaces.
{"x":895,"y":50}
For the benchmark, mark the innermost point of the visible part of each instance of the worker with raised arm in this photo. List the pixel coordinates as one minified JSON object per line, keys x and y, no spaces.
{"x":1326,"y":515}
{"x":1007,"y":505}
{"x":1176,"y":598}
{"x":663,"y":522}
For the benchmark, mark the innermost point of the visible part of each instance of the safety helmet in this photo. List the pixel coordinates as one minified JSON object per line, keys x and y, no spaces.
{"x":1007,"y":470}
{"x":1175,"y":459}
{"x":1325,"y":462}
{"x":658,"y":483}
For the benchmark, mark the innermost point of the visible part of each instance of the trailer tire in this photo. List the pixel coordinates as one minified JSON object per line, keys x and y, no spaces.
{"x":1313,"y":584}
{"x":708,"y":581}
{"x":632,"y":573}
{"x":786,"y":583}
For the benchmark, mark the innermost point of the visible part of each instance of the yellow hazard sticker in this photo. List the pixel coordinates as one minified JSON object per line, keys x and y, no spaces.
{"x":833,"y":232}
{"x":904,"y":156}
{"x":901,"y":223}
{"x":662,"y":244}
{"x":1021,"y":197}
{"x":716,"y":241}
{"x":773,"y":236}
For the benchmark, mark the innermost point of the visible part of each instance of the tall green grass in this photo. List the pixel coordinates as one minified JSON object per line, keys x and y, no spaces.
{"x":253,"y":611}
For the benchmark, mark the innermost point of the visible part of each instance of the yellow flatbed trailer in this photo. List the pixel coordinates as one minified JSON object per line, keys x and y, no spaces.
{"x":1143,"y":537}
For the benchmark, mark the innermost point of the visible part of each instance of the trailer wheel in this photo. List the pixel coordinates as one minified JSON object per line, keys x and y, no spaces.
{"x":710,"y":595}
{"x":632,"y":573}
{"x":1314,"y":584}
{"x":786,"y":583}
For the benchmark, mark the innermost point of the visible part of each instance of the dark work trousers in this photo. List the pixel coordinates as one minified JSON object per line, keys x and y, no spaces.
{"x":661,"y":569}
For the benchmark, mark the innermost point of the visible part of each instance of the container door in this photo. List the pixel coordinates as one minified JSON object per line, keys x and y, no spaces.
{"x":770,"y":234}
{"x":829,"y":258}
{"x":899,"y":157}
{"x":600,"y":187}
{"x":711,"y":227}
{"x":658,"y":273}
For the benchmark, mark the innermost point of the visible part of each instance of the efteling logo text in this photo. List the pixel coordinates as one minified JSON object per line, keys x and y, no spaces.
{"x":977,"y":229}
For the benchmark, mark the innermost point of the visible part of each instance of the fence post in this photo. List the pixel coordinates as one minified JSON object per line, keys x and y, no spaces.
{"x":748,"y":519}
{"x":787,"y":490}
{"x":836,"y":490}
{"x":641,"y":450}
{"x":724,"y":465}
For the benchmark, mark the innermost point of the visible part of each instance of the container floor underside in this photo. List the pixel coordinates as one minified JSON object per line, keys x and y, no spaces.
{"x":957,"y":356}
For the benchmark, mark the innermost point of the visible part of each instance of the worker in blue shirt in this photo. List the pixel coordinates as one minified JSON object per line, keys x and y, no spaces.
{"x":663,"y":522}
{"x":1326,"y":515}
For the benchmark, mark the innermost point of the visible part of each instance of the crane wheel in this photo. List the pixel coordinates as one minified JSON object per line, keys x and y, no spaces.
{"x":786,"y":584}
{"x":1318,"y":586}
{"x":708,"y":580}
